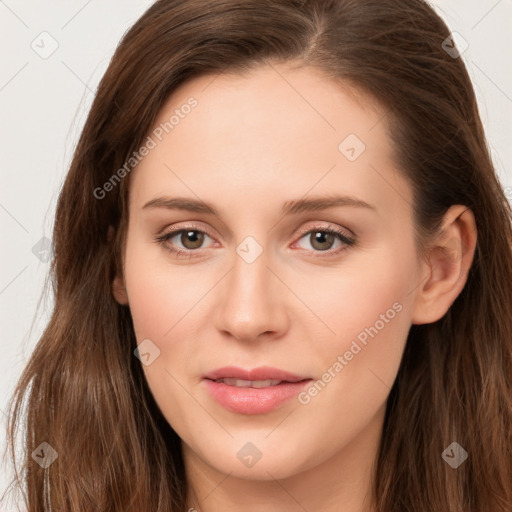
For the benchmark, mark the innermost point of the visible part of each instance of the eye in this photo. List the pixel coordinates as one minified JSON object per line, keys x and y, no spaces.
{"x":322,"y":239}
{"x":190,"y":239}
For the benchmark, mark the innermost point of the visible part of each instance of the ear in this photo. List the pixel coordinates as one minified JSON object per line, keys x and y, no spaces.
{"x":446,"y":269}
{"x":119,"y":290}
{"x":118,"y":287}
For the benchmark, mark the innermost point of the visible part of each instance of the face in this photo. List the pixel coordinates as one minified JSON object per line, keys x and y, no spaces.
{"x":270,"y":229}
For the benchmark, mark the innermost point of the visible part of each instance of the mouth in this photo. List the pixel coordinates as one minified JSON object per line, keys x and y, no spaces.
{"x":254,"y":391}
{"x":257,"y":384}
{"x":262,"y":376}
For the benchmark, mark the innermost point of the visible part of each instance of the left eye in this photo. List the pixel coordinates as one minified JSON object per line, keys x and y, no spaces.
{"x":324,"y":239}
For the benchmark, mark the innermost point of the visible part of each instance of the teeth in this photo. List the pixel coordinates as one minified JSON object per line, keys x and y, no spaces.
{"x":249,"y":383}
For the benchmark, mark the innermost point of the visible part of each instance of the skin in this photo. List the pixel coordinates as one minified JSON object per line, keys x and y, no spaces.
{"x":252,"y":143}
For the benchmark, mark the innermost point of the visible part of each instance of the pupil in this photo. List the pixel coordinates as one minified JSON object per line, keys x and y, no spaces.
{"x":321,"y":237}
{"x":192,"y":239}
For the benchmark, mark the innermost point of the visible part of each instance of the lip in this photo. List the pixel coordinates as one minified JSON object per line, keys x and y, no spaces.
{"x":260,"y":373}
{"x":253,"y":400}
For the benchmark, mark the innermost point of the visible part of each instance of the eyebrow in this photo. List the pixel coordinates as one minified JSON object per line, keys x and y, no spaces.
{"x":289,"y":207}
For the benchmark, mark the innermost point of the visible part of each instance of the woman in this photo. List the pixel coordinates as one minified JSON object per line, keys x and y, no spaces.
{"x":282,"y":273}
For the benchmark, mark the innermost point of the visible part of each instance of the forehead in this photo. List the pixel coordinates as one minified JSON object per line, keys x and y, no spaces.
{"x":268,"y":99}
{"x":278,"y":130}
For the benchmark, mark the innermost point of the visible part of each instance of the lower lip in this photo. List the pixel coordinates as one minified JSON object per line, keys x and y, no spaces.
{"x":254,"y":400}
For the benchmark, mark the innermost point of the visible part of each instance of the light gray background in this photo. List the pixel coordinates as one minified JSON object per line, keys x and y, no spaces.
{"x":44,"y":101}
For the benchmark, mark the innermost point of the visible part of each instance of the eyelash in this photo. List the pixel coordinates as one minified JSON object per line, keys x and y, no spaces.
{"x":348,"y":241}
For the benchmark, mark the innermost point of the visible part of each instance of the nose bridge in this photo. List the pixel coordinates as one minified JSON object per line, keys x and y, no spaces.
{"x":252,"y":303}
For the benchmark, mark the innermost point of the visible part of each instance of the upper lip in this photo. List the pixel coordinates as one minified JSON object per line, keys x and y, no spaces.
{"x":260,"y":373}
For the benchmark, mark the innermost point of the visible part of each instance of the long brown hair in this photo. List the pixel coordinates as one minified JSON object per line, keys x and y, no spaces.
{"x":85,"y":392}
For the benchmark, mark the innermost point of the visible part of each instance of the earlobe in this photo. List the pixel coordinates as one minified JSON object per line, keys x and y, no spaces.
{"x":449,"y":260}
{"x":119,"y":291}
{"x":118,"y":288}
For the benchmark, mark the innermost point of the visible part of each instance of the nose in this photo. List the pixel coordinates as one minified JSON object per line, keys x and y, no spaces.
{"x":252,"y":303}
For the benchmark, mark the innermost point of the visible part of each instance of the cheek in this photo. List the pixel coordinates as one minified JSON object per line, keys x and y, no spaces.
{"x":366,"y":316}
{"x":369,"y":290}
{"x":167,"y":307}
{"x":159,"y":294}
{"x":164,"y":308}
